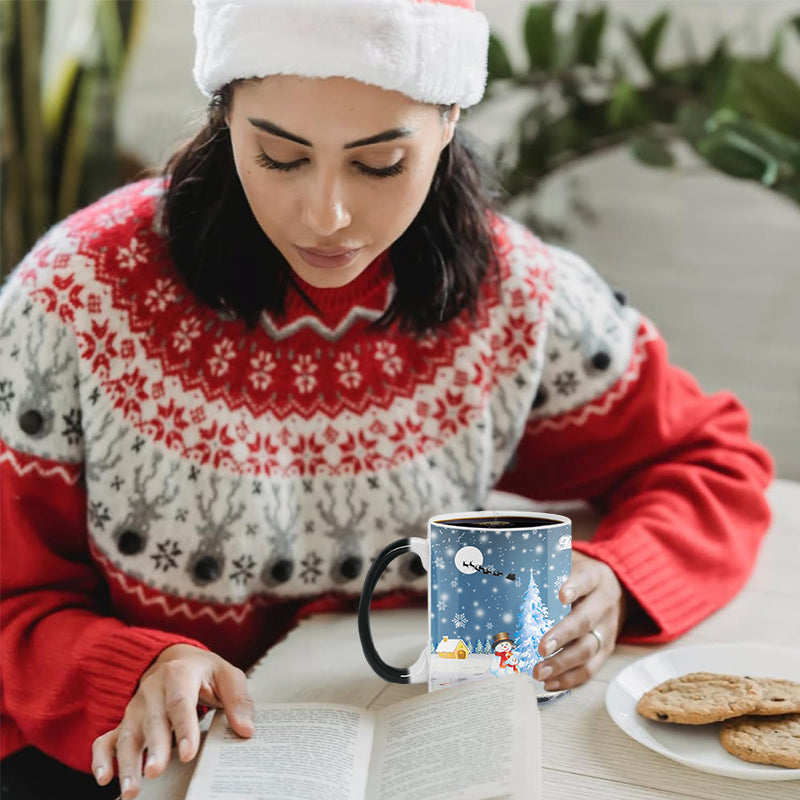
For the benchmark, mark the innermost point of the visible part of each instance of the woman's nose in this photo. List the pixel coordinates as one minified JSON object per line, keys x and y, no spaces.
{"x":325,"y":211}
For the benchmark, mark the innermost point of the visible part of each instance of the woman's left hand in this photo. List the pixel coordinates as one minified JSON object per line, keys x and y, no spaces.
{"x":598,"y":603}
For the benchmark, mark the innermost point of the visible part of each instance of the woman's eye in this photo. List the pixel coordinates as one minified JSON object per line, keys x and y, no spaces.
{"x":270,"y":163}
{"x":287,"y":166}
{"x":382,"y":172}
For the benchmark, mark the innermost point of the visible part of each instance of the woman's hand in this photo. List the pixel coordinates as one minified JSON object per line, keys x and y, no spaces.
{"x":598,"y":603}
{"x":166,"y":702}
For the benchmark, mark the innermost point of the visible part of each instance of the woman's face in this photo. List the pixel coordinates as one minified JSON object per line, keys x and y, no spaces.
{"x":334,"y":170}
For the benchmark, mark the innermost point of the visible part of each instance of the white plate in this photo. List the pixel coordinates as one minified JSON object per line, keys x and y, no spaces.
{"x":698,"y":746}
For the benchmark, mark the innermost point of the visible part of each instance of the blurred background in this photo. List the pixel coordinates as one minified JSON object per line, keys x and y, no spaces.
{"x":661,"y":141}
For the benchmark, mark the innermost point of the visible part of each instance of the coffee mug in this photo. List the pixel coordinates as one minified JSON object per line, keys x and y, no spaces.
{"x":493,"y":583}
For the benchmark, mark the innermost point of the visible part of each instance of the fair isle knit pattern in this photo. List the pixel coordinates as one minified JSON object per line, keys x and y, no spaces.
{"x":229,"y":466}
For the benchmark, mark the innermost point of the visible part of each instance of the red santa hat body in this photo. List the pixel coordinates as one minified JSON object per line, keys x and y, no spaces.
{"x":433,"y":51}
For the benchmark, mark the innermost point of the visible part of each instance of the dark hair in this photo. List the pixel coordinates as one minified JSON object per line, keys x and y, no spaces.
{"x":442,"y":258}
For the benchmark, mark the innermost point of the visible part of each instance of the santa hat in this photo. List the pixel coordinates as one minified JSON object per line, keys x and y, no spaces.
{"x":433,"y":51}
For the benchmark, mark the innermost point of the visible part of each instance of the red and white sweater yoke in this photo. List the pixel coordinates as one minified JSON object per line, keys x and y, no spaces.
{"x":169,"y":475}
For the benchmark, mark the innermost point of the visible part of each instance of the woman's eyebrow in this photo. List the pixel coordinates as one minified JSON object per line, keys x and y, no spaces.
{"x":384,"y":136}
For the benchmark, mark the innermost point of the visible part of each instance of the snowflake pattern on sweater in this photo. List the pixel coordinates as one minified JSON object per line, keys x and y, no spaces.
{"x":222,"y":464}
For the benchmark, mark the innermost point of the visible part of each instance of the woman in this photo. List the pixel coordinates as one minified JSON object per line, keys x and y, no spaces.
{"x":225,"y":391}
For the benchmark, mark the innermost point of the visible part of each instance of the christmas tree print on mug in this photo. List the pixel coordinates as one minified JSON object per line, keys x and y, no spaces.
{"x":493,"y":583}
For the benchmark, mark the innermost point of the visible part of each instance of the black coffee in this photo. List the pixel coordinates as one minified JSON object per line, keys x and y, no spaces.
{"x":499,"y":523}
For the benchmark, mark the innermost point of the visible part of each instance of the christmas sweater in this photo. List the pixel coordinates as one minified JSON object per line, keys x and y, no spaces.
{"x":169,"y":475}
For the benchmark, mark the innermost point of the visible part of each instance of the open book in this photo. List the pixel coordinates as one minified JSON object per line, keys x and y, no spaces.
{"x":473,"y":742}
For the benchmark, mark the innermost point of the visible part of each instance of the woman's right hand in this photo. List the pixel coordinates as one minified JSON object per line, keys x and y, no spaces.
{"x":165,"y":702}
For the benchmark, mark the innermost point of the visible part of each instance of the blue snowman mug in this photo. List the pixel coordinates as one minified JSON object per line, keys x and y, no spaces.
{"x":493,"y":583}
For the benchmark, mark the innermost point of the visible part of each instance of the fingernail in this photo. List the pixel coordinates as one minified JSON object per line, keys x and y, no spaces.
{"x":552,"y":686}
{"x":550,"y":646}
{"x":126,"y":784}
{"x":99,"y":772}
{"x":568,"y":595}
{"x":544,"y":672}
{"x":151,"y":759}
{"x":183,"y":748}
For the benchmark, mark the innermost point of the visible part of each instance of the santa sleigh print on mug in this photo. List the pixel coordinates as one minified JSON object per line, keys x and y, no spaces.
{"x":493,"y":583}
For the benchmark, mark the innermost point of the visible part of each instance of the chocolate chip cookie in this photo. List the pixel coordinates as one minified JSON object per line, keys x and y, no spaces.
{"x":698,"y":698}
{"x":764,"y":740}
{"x":777,"y":696}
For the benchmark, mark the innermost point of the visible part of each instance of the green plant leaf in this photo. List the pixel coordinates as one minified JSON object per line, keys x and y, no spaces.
{"x":757,"y":138}
{"x":741,"y":115}
{"x":567,"y":47}
{"x":540,"y":36}
{"x":691,"y":121}
{"x":731,"y":160}
{"x":38,"y":202}
{"x":625,"y":108}
{"x":73,"y":144}
{"x":647,"y":42}
{"x":535,"y":145}
{"x":716,"y":71}
{"x":748,"y":151}
{"x":766,"y":93}
{"x":582,"y":44}
{"x":785,"y":146}
{"x":498,"y":62}
{"x":565,"y":135}
{"x":651,"y":151}
{"x":776,"y":48}
{"x":652,"y":38}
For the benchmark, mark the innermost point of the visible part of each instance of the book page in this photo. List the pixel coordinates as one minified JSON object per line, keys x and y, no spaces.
{"x":472,"y":742}
{"x":297,"y":751}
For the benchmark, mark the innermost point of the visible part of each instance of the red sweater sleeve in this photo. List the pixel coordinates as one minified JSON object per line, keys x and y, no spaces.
{"x":68,"y":671}
{"x":680,"y":483}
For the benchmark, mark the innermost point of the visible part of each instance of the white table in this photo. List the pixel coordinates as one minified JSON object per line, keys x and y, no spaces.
{"x":586,"y":756}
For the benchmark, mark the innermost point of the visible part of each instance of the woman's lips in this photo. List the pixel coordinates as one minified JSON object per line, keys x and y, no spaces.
{"x":327,"y":259}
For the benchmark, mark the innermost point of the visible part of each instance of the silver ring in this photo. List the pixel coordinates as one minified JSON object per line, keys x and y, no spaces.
{"x":597,"y":635}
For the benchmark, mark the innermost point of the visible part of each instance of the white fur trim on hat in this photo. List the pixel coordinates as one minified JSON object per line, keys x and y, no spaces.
{"x":433,"y":51}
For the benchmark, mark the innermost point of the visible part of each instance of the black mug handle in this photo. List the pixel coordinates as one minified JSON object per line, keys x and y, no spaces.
{"x":417,"y":672}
